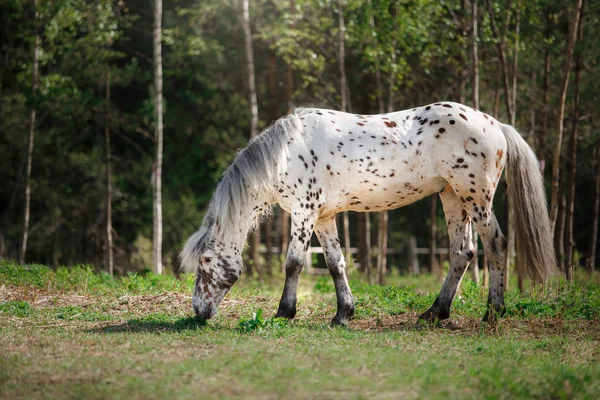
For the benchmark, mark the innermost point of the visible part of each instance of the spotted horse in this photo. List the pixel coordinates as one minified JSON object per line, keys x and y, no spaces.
{"x":316,"y":163}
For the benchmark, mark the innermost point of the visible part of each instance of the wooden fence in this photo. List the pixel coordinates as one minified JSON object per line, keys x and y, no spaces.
{"x":412,"y":252}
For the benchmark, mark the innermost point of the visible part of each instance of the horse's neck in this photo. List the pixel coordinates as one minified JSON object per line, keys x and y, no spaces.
{"x":258,"y":202}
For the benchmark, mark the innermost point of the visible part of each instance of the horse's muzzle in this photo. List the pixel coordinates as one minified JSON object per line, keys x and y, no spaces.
{"x":206,"y":313}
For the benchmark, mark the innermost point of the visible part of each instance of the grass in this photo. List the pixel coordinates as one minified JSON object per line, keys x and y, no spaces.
{"x":71,"y":333}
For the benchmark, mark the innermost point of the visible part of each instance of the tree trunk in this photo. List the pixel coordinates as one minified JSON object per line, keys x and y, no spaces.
{"x":591,"y":261}
{"x":346,"y":225}
{"x":560,"y":231}
{"x":284,"y":216}
{"x":569,"y":240}
{"x":32,"y":116}
{"x":545,"y":108}
{"x":392,"y":77}
{"x":382,"y":247}
{"x":285,"y":237}
{"x":342,"y":56}
{"x":255,"y":235}
{"x":361,"y":243}
{"x":383,"y":216}
{"x":269,"y":231}
{"x":343,"y":107}
{"x":157,"y":172}
{"x":375,"y":44}
{"x":503,"y":62}
{"x":515,"y":66}
{"x":250,"y":66}
{"x":497,"y":94}
{"x":510,"y":240}
{"x":561,"y":116}
{"x":367,"y":268}
{"x":474,"y":266}
{"x":513,"y":121}
{"x":433,"y":264}
{"x":109,"y":238}
{"x":475,"y":56}
{"x":512,"y":117}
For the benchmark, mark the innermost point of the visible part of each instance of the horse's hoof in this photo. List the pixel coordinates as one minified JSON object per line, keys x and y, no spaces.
{"x":288,"y":313}
{"x":493,"y":313}
{"x":434,"y":315}
{"x":338,"y":322}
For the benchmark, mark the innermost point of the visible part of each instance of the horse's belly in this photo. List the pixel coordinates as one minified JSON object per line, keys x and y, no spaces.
{"x":395,"y":195}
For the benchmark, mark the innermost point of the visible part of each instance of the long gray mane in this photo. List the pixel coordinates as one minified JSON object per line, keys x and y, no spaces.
{"x":256,"y":168}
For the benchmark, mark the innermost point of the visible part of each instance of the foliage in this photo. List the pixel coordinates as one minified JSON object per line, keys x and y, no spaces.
{"x":83,"y":279}
{"x":259,"y":323}
{"x":421,"y":50}
{"x":17,"y":308}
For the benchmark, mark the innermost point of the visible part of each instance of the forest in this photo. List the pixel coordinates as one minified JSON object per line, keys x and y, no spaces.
{"x":117,"y":118}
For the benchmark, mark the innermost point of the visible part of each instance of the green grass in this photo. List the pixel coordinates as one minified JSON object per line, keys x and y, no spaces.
{"x":71,"y":333}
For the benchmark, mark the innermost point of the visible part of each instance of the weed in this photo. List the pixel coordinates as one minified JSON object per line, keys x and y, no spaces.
{"x":259,"y":323}
{"x":324,"y":285}
{"x":18,"y":309}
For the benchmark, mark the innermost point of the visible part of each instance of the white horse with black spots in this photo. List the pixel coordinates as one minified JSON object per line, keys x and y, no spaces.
{"x":316,"y":163}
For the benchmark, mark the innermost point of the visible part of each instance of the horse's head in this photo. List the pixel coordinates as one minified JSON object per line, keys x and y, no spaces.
{"x":219,"y":268}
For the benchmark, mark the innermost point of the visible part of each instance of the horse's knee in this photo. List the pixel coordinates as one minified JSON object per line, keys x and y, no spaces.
{"x":336,"y":267}
{"x":464,"y":254}
{"x":293,"y":265}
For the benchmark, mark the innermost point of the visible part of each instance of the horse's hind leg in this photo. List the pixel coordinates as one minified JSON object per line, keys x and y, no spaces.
{"x":302,"y":229}
{"x":494,"y":244}
{"x":328,"y":237}
{"x":461,"y":253}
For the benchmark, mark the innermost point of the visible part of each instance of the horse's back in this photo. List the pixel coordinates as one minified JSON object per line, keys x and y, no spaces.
{"x":374,"y":162}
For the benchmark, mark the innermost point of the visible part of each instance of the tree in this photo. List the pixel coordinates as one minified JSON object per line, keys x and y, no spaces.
{"x":109,"y":237}
{"x":344,"y":107}
{"x":32,"y":117}
{"x":255,"y":236}
{"x":561,"y":115}
{"x":569,"y":239}
{"x":157,"y":167}
{"x":591,"y":261}
{"x":475,"y":93}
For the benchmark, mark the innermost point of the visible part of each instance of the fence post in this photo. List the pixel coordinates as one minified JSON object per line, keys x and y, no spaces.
{"x":308,"y":260}
{"x":412,"y":255}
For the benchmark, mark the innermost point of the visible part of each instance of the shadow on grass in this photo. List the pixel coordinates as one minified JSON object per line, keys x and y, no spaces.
{"x":154,"y":325}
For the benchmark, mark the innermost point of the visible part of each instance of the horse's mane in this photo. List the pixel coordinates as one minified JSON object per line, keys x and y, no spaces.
{"x":255,"y":169}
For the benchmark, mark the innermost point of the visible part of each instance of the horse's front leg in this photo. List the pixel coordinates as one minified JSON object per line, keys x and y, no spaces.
{"x":328,"y":237}
{"x":302,"y":229}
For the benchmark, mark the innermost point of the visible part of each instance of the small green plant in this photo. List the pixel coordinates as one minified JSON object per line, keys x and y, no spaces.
{"x":259,"y":323}
{"x":324,"y":285}
{"x":18,"y":308}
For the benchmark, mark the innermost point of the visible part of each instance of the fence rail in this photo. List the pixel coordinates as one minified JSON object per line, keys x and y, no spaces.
{"x":412,"y":251}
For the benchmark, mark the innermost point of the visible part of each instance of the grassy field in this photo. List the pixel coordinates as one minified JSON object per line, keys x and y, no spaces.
{"x":71,"y":333}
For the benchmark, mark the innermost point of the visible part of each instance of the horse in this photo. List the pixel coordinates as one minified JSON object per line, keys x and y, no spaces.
{"x":316,"y":163}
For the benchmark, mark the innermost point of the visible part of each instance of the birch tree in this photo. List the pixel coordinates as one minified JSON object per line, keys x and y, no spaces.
{"x":109,"y":238}
{"x":569,"y":239}
{"x":157,"y":222}
{"x":591,"y":261}
{"x":254,"y":236}
{"x":561,"y":115}
{"x":344,"y":107}
{"x":31,"y":137}
{"x":475,"y":92}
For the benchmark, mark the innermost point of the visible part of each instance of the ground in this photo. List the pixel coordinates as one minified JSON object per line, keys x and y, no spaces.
{"x":75,"y":334}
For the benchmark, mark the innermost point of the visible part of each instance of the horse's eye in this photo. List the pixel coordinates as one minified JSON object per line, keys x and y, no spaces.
{"x":207,"y":260}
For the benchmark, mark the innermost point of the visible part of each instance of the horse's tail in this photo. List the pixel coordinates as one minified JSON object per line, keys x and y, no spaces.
{"x":527,"y":199}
